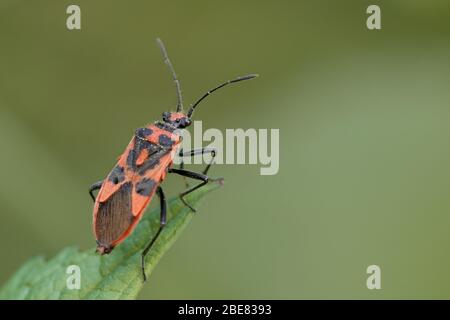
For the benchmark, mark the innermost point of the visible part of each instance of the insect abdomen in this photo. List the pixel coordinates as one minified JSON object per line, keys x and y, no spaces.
{"x":114,"y":217}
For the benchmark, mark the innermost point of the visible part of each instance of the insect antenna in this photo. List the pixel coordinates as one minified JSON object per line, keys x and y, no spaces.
{"x":174,"y":75}
{"x":247,"y":77}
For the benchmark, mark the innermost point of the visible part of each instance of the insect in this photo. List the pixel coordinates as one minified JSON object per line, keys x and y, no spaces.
{"x":130,"y":186}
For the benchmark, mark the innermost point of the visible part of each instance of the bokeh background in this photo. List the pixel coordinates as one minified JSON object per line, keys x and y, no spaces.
{"x":364,"y":125}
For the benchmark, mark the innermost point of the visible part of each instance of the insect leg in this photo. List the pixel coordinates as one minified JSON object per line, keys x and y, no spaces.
{"x":194,"y":152}
{"x":181,"y":166}
{"x":162,"y":223}
{"x":94,"y":187}
{"x":180,"y":154}
{"x":193,"y":175}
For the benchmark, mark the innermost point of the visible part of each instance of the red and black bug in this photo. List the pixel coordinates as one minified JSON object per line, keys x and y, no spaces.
{"x":132,"y":183}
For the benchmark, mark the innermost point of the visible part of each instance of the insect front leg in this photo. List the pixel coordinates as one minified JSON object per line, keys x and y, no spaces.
{"x":193,"y":175}
{"x":181,"y":166}
{"x":162,"y":223}
{"x":95,"y":186}
{"x":202,"y":151}
{"x":194,"y":152}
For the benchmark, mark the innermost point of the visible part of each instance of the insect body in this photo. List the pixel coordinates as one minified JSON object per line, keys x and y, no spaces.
{"x":130,"y":186}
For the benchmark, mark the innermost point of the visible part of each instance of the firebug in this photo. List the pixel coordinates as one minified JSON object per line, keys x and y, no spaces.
{"x":130,"y":186}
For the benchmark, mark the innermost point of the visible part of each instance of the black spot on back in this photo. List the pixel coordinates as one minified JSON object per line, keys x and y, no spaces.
{"x":117,"y":175}
{"x":143,"y":133}
{"x":131,"y":159}
{"x":152,"y":161}
{"x":140,"y":145}
{"x":165,"y":126}
{"x":165,"y":141}
{"x":145,"y":186}
{"x":149,"y":164}
{"x":152,"y":148}
{"x":114,"y":216}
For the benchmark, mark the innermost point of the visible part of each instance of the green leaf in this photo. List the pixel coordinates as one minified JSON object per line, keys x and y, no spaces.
{"x":114,"y":276}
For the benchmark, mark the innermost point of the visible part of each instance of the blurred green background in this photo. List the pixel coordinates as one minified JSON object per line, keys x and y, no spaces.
{"x":364,"y":126}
